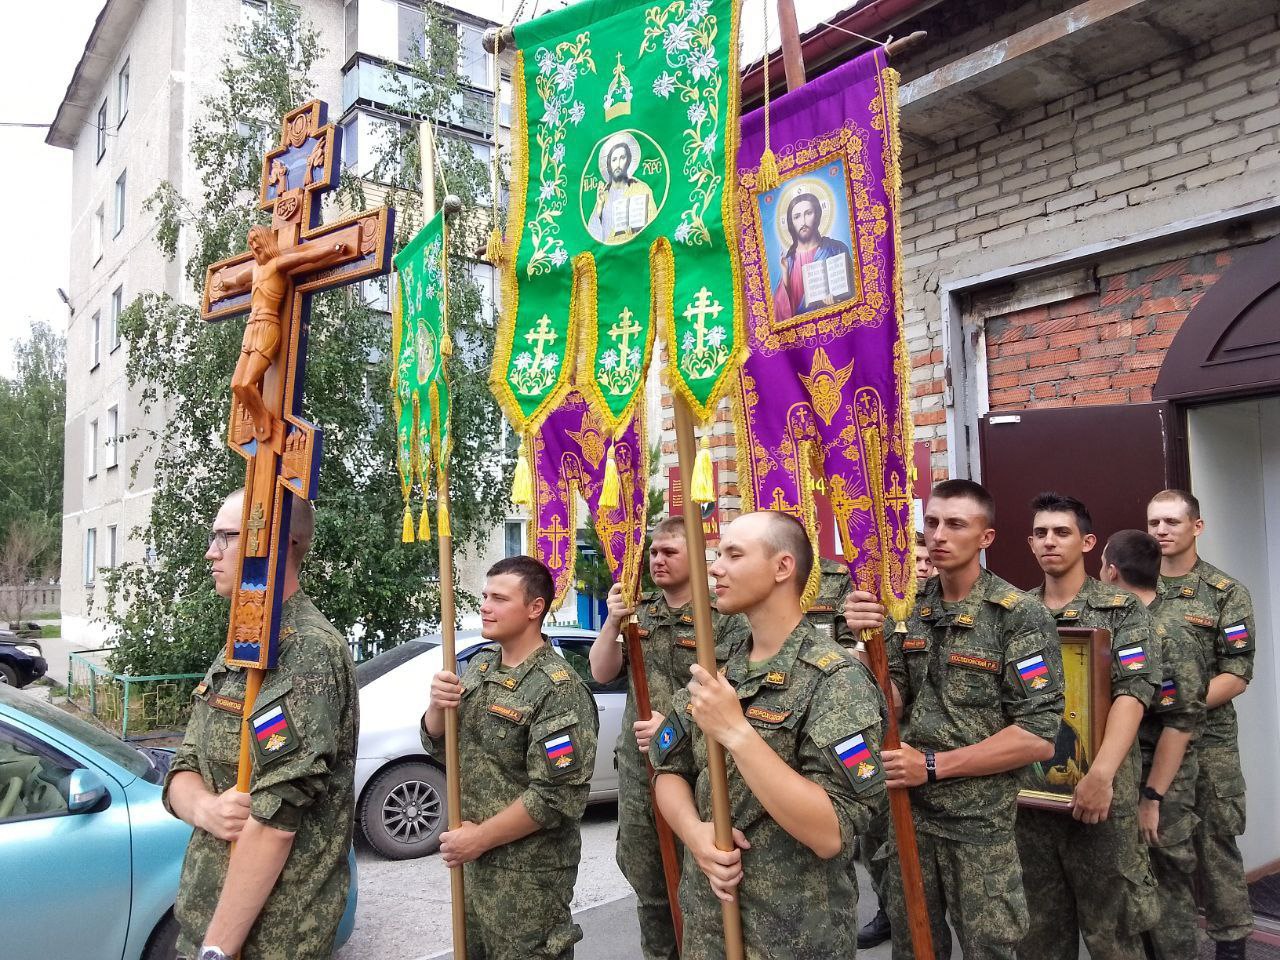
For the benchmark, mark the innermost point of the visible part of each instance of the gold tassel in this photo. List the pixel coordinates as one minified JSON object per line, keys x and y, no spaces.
{"x":522,"y":484}
{"x":424,"y":524}
{"x":406,"y":528}
{"x":767,"y":175}
{"x":610,"y":489}
{"x":493,"y":249}
{"x":446,"y":345}
{"x":442,"y":522}
{"x":701,"y":488}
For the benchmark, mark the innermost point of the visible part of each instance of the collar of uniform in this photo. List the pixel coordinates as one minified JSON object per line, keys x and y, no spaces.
{"x":929,"y":601}
{"x":1211,"y":574}
{"x":520,"y":670}
{"x":966,"y":612}
{"x":747,"y":678}
{"x":1071,"y":610}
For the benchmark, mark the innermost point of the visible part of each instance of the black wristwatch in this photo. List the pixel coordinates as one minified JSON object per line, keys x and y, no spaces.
{"x":931,"y":766}
{"x":1149,"y":793}
{"x":211,"y":953}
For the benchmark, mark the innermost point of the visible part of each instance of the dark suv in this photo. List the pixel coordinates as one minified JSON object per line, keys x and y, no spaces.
{"x":21,"y":659}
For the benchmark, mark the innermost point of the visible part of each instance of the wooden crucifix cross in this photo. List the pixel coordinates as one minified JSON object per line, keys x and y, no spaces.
{"x":287,"y":261}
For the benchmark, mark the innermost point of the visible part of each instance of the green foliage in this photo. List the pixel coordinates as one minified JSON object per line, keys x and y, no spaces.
{"x":33,"y":407}
{"x":167,"y":617}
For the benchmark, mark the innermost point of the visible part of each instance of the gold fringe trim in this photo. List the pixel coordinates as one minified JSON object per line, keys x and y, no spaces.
{"x":767,"y":175}
{"x":522,"y":482}
{"x":493,"y":249}
{"x":610,"y":486}
{"x":702,"y":487}
{"x":442,"y":521}
{"x":406,"y":525}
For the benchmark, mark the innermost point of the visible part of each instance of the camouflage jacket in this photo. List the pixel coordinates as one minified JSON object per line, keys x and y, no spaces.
{"x":666,"y":637}
{"x":826,"y":613}
{"x":1179,"y":703}
{"x":1135,"y":663}
{"x":821,"y":716}
{"x":966,"y":671}
{"x":1219,"y":613}
{"x":526,"y":733}
{"x":303,"y":734}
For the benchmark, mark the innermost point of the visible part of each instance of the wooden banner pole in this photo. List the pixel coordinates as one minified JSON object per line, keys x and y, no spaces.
{"x":644,"y":711}
{"x":448,"y":613}
{"x":701,"y":601}
{"x":899,"y":799}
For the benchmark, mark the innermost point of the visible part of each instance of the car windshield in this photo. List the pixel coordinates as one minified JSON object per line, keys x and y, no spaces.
{"x":370,"y":670}
{"x":113,"y":748}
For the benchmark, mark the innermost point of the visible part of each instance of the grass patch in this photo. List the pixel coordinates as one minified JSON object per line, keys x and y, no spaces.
{"x":51,"y":630}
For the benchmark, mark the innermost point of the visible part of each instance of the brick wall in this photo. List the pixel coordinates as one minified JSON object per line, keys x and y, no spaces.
{"x":1104,"y":347}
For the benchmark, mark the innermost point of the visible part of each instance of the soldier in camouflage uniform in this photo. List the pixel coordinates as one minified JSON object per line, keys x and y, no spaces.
{"x":1088,"y":873}
{"x":1219,"y":613}
{"x":527,"y":745}
{"x":800,"y":725}
{"x":826,"y":616}
{"x":1166,"y":812}
{"x":666,"y":637}
{"x":978,"y":677}
{"x":288,"y":885}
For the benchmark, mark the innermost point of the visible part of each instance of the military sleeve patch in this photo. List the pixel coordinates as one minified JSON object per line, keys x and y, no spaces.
{"x":1132,"y":658}
{"x":670,"y":736}
{"x":1168,"y":693}
{"x":862,"y":767}
{"x":273,"y":732}
{"x":1238,"y":637}
{"x":1034,"y":673}
{"x":562,"y":754}
{"x":1198,"y":620}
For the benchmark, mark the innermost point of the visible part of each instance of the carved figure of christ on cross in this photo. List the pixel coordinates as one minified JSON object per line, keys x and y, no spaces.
{"x":267,"y":278}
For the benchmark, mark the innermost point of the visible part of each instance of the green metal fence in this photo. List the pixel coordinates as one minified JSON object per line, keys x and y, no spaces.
{"x":129,"y":706}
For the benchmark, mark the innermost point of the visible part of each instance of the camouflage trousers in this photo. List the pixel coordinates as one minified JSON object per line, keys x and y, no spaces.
{"x":977,"y":886}
{"x":1224,"y":895}
{"x":1084,"y":880}
{"x":641,"y":863}
{"x":869,"y":843}
{"x":520,"y":914}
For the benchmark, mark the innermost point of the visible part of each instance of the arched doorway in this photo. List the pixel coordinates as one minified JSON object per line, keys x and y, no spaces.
{"x":1222,"y":376}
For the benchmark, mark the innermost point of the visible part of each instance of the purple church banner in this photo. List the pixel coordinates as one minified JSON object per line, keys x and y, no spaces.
{"x":823,"y":396}
{"x":569,"y":452}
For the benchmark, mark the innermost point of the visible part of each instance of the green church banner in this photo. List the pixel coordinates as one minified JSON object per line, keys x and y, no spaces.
{"x":420,"y":345}
{"x":625,"y":125}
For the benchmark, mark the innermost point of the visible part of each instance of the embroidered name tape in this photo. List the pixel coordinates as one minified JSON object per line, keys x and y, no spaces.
{"x":915,"y":643}
{"x":974,"y":661}
{"x":1034,"y":672}
{"x":227,"y":704}
{"x":767,"y":715}
{"x":1198,"y":621}
{"x":507,"y":713}
{"x":1133,"y":658}
{"x":689,"y":643}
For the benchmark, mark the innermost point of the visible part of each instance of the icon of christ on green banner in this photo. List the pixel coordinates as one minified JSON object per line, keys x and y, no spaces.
{"x":624,"y":139}
{"x":420,"y":345}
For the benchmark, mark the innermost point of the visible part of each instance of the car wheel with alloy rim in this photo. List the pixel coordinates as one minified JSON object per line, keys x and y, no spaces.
{"x":403,"y":811}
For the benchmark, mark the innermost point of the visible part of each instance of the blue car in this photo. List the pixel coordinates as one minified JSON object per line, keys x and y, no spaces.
{"x":89,"y":855}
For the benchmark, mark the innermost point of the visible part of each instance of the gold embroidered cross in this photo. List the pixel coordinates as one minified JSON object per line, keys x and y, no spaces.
{"x":541,"y":336}
{"x":897,"y":497}
{"x":698,"y":311}
{"x":623,"y":331}
{"x":557,"y":532}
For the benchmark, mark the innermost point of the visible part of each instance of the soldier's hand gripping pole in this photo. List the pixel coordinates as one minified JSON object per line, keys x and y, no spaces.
{"x":701,"y":602}
{"x":644,"y":711}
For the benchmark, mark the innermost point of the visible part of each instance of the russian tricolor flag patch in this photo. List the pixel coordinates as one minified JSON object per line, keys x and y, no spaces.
{"x":559,"y":750}
{"x":1034,"y":672}
{"x":859,"y":763}
{"x":1133,"y":658}
{"x":1237,"y":635}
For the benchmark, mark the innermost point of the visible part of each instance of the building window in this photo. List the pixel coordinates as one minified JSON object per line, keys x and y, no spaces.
{"x":252,"y":12}
{"x":96,"y":229}
{"x":513,"y":538}
{"x":504,"y":101}
{"x":112,"y":558}
{"x":117,"y":306}
{"x":410,"y":26}
{"x":120,"y":194}
{"x":102,"y":131}
{"x":113,"y":437}
{"x":122,"y":93}
{"x":475,"y":63}
{"x":90,"y":556}
{"x":91,"y":457}
{"x":97,"y":340}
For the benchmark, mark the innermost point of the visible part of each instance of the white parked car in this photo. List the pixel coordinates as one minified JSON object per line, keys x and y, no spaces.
{"x":400,"y":791}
